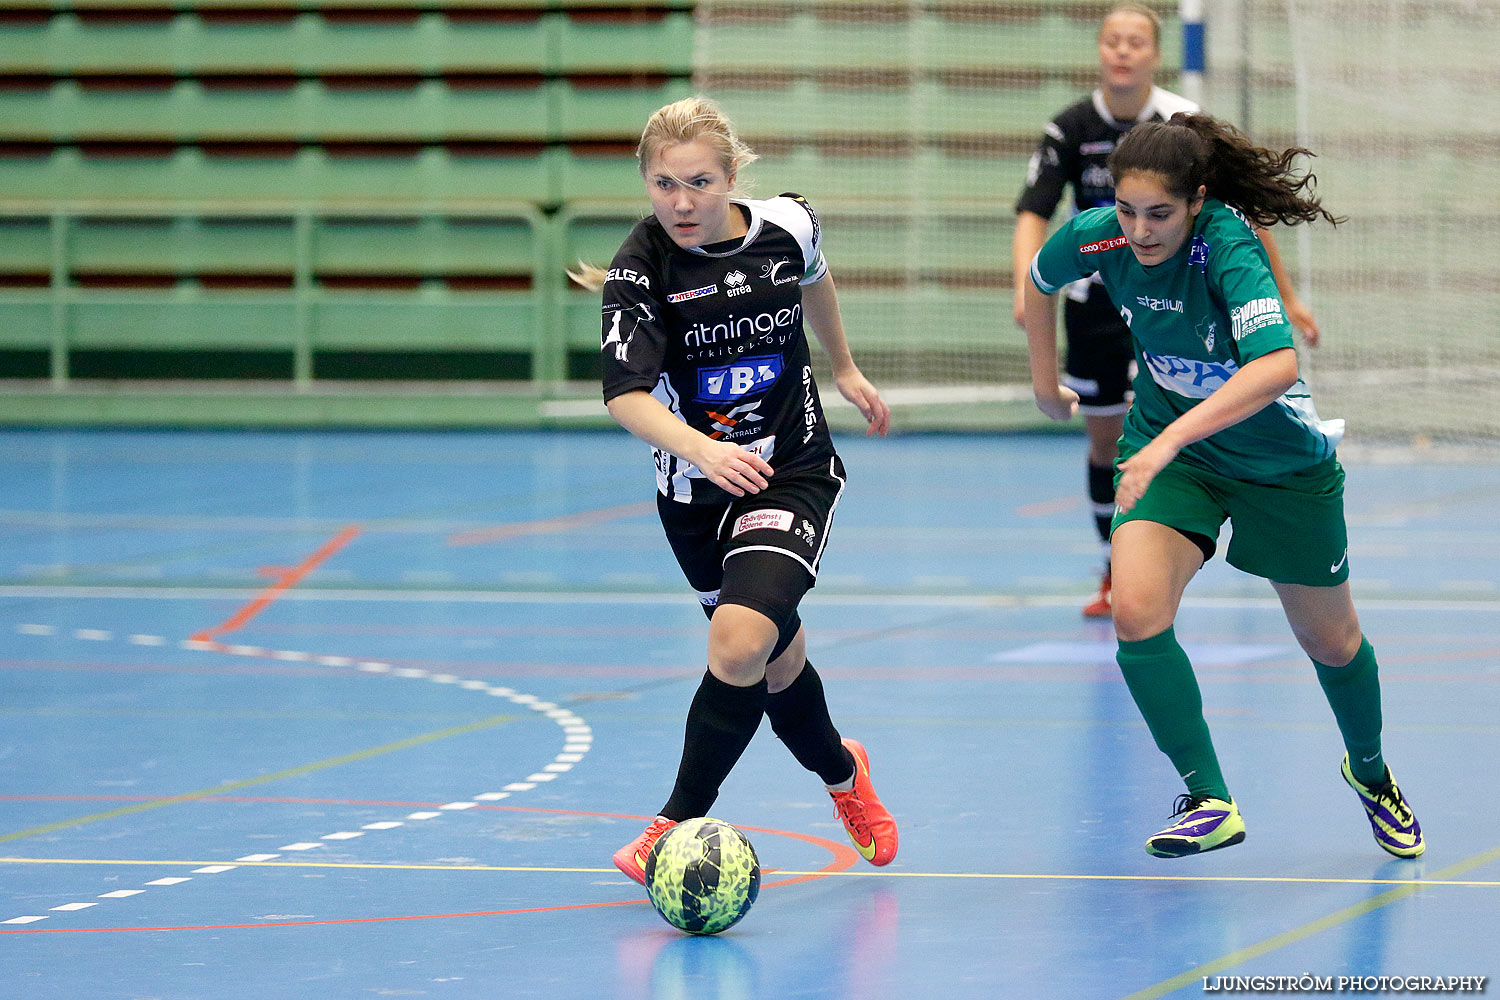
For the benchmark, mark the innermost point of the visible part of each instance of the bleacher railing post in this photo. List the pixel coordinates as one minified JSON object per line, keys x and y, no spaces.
{"x":302,"y":300}
{"x":58,"y":351}
{"x":549,"y":361}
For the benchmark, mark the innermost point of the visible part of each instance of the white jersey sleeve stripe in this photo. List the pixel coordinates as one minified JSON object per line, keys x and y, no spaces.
{"x":1039,"y":281}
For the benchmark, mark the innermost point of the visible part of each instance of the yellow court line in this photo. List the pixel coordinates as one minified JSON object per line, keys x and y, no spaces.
{"x":1296,"y":934}
{"x":779,"y":872}
{"x":235,"y":786}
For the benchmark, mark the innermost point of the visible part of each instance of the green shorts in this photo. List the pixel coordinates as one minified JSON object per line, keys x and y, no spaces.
{"x":1291,"y":531}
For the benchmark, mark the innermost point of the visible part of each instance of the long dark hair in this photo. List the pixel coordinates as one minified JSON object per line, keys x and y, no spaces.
{"x":1194,"y":149}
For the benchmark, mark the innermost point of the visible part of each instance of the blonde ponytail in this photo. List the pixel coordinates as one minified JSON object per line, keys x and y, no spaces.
{"x":587,"y":275}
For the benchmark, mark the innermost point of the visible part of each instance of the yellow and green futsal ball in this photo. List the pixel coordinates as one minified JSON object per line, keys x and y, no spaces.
{"x":702,"y":876}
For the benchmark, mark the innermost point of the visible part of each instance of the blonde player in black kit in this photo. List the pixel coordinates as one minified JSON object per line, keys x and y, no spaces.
{"x":705,"y":359}
{"x":1073,"y":153}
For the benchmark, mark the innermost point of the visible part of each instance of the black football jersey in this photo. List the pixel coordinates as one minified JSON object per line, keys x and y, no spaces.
{"x":1075,"y":149}
{"x":715,"y":333}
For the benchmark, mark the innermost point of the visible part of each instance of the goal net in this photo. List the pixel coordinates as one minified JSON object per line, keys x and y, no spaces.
{"x":908,"y":125}
{"x":1396,"y":99}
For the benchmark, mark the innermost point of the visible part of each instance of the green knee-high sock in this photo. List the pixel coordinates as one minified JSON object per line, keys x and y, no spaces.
{"x":1353,"y":692}
{"x":1161,"y":681}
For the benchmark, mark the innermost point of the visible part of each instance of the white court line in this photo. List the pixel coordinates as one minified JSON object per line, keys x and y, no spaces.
{"x":971,"y":599}
{"x":1363,"y":454}
{"x":566,"y":719}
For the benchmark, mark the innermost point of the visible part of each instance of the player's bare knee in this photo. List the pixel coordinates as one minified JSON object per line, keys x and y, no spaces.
{"x":737,"y":660}
{"x":1137,"y":630}
{"x":783,"y":669}
{"x":740,"y":641}
{"x":1334,"y":646}
{"x":1137,"y":618}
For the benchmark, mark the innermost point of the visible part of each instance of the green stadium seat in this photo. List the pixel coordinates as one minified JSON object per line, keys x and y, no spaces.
{"x":438,"y":321}
{"x":27,"y":251}
{"x":315,"y":180}
{"x":287,"y":41}
{"x":427,"y":246}
{"x":26,"y":248}
{"x":628,"y":43}
{"x":181,"y":246}
{"x":311,"y":174}
{"x":612,"y":109}
{"x":303,"y":285}
{"x":181,"y":318}
{"x":606,"y":172}
{"x":187,"y":111}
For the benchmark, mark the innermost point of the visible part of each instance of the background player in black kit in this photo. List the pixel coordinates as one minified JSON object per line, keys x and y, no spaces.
{"x":705,"y":359}
{"x":1074,"y":148}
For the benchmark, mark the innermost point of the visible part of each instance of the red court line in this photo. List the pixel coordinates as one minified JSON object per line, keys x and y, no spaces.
{"x":1042,"y":508}
{"x":844,"y":856}
{"x":286,"y":581}
{"x":551,"y":524}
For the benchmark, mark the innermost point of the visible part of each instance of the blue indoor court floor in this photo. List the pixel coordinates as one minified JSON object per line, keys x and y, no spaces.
{"x":345,"y":715}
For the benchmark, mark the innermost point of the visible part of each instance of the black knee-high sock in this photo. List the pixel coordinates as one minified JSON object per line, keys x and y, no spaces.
{"x":799,"y":716}
{"x":720,"y":723}
{"x":1102,"y":497}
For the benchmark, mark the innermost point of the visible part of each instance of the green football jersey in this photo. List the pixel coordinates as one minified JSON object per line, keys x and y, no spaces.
{"x":1195,"y":319}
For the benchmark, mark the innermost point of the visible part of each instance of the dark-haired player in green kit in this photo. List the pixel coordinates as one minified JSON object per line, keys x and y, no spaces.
{"x":1222,"y":429}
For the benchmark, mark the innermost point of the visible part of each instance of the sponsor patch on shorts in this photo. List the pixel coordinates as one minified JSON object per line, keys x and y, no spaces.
{"x":778,"y":520}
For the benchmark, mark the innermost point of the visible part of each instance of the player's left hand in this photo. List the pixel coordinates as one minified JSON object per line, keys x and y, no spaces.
{"x":1301,"y":317}
{"x":1137,"y":472}
{"x":858,"y":390}
{"x":1058,"y":405}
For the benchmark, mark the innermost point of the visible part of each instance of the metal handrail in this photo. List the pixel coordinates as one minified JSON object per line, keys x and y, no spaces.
{"x":549,"y":358}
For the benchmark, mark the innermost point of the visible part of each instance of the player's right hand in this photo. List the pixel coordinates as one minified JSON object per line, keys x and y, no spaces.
{"x":1060,"y":405}
{"x":732,"y":468}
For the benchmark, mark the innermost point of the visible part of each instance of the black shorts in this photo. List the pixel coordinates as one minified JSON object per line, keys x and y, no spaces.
{"x":1101,"y":359}
{"x":791,"y":517}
